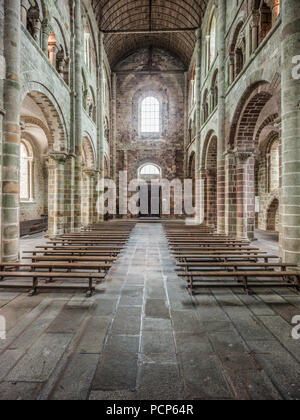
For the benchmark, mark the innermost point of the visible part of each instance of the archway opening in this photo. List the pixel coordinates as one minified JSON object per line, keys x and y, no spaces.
{"x":273,"y":216}
{"x":150,"y":190}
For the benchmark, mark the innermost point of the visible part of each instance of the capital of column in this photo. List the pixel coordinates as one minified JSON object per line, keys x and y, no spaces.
{"x":58,"y":157}
{"x":89,"y":172}
{"x":243,"y":156}
{"x":46,"y":27}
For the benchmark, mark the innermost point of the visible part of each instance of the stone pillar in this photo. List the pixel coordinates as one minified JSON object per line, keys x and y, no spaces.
{"x":88,"y":197}
{"x":290,"y":77}
{"x":11,"y":132}
{"x":201,"y":197}
{"x":230,"y":193}
{"x":231,"y":69}
{"x":211,"y":203}
{"x":46,"y":30}
{"x":56,"y":194}
{"x":254,"y":31}
{"x":78,"y":116}
{"x":198,"y":116}
{"x":186,"y":128}
{"x":245,"y":195}
{"x":221,"y":27}
{"x":101,"y":118}
{"x":2,"y":115}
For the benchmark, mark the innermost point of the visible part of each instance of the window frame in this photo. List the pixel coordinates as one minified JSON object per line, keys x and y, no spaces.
{"x":30,"y":172}
{"x":150,"y":133}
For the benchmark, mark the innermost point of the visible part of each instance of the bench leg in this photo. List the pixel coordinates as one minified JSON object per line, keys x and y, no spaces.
{"x":245,"y":284}
{"x":33,"y":291}
{"x":297,"y":282}
{"x":190,"y":285}
{"x":89,"y":292}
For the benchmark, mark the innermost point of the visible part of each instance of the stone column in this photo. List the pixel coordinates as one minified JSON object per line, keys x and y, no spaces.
{"x":186,"y":110}
{"x":78,"y":116}
{"x":290,"y":77}
{"x":56,"y":194}
{"x":46,"y":31}
{"x":200,"y":199}
{"x":2,"y":115}
{"x":11,"y":132}
{"x":254,"y":31}
{"x":230,"y":193}
{"x":198,"y":117}
{"x":101,"y":117}
{"x":211,"y":204}
{"x":231,"y":68}
{"x":245,"y":195}
{"x":89,"y":196}
{"x":221,"y":27}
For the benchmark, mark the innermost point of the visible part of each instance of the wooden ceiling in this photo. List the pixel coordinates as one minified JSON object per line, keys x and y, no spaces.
{"x":132,"y":24}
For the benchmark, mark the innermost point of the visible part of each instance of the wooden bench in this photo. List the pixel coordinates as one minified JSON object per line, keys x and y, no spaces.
{"x":225,"y":257}
{"x":293,"y":276}
{"x":79,"y":246}
{"x":216,"y":252}
{"x":213,"y":248}
{"x":188,"y":266}
{"x":50,"y":265}
{"x":36,"y":276}
{"x":67,"y":251}
{"x":70,"y":258}
{"x":91,"y":242}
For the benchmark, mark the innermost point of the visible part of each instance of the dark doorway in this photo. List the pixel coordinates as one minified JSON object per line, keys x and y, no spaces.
{"x":150,"y":201}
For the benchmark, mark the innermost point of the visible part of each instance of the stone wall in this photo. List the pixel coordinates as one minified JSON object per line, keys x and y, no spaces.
{"x":165,"y":81}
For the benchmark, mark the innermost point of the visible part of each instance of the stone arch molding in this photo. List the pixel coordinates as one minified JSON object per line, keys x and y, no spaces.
{"x":88,"y":149}
{"x":39,"y":123}
{"x":211,"y":136}
{"x":57,"y":128}
{"x":255,"y":97}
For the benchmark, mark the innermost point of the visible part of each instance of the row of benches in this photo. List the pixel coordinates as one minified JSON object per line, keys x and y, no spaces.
{"x":85,"y":256}
{"x":207,"y":260}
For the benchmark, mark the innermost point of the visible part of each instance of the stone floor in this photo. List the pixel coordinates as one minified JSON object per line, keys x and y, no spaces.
{"x":143,"y":337}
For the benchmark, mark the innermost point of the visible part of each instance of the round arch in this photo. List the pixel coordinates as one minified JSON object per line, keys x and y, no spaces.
{"x":51,"y":112}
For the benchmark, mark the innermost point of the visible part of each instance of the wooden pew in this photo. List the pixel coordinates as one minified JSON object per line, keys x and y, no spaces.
{"x":36,"y":276}
{"x":225,"y":257}
{"x":292,"y":276}
{"x":71,"y":258}
{"x":50,"y":265}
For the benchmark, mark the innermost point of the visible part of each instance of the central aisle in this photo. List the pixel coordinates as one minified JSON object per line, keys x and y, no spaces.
{"x":139,"y":358}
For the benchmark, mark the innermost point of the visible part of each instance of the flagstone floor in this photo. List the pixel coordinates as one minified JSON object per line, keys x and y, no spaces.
{"x":141,"y":336}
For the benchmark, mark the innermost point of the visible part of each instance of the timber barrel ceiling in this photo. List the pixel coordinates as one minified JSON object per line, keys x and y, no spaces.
{"x":132,"y":24}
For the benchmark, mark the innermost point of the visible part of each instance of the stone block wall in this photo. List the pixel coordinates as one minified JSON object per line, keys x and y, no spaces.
{"x":165,"y":81}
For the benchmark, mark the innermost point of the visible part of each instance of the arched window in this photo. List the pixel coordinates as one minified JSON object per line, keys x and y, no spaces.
{"x":26,"y":172}
{"x":150,"y":115}
{"x":211,"y":41}
{"x":87,"y":45}
{"x":149,"y":171}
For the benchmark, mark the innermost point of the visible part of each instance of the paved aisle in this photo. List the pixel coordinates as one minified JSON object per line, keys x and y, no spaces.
{"x":142,"y":336}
